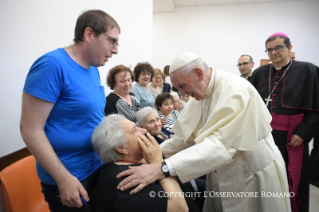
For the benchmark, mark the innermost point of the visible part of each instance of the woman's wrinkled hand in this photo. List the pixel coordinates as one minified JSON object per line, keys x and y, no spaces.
{"x":151,"y":150}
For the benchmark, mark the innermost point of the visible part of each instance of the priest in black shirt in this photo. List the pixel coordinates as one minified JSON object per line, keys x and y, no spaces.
{"x":290,"y":90}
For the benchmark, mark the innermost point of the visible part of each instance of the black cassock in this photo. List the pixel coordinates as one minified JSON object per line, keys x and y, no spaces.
{"x":296,"y":93}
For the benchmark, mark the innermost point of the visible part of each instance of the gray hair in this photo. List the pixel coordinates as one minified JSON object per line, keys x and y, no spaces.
{"x":173,"y":94}
{"x":108,"y":135}
{"x":142,"y":114}
{"x":198,"y":63}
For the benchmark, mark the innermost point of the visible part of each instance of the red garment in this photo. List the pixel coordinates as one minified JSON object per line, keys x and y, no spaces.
{"x":295,"y":153}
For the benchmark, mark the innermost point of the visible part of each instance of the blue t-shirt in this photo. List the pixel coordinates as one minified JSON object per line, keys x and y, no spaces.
{"x":79,"y":102}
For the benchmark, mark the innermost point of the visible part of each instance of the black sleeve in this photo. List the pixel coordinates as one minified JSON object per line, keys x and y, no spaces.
{"x":309,"y":125}
{"x":150,"y":198}
{"x":132,"y":94}
{"x":110,"y":106}
{"x":108,"y":198}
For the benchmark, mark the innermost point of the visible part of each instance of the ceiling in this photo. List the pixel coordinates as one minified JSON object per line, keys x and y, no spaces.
{"x":164,"y":6}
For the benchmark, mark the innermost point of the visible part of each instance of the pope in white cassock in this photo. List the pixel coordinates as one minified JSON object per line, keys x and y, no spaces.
{"x":223,"y":131}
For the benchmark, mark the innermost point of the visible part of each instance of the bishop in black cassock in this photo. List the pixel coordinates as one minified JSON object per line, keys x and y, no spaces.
{"x":290,"y":90}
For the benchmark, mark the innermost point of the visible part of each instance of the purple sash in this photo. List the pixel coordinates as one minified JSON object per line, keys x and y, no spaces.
{"x":295,"y":154}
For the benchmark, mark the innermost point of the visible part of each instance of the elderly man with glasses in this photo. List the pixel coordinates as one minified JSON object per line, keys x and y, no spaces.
{"x":290,"y":90}
{"x":245,"y":66}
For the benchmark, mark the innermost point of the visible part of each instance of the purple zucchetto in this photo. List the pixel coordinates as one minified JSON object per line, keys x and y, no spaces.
{"x":279,"y":34}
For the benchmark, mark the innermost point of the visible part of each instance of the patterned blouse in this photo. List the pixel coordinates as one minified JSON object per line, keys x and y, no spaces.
{"x":115,"y":104}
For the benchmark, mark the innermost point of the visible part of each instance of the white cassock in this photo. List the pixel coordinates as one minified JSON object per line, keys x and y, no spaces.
{"x":227,"y":136}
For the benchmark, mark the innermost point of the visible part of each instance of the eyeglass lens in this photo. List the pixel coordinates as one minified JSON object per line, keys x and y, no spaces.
{"x":277,"y":48}
{"x":113,"y":40}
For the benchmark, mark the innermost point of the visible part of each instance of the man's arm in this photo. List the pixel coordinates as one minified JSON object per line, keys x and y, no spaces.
{"x":307,"y":128}
{"x":35,"y":112}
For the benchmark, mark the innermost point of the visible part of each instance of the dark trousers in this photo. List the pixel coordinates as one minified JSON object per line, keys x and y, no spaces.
{"x":314,"y":162}
{"x":51,"y":195}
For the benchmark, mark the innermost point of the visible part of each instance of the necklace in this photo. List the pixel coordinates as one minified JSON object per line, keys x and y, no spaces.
{"x":77,"y":61}
{"x":75,"y":55}
{"x":126,"y":98}
{"x":157,"y":89}
{"x":117,"y":94}
{"x":268,"y":99}
{"x":124,"y":161}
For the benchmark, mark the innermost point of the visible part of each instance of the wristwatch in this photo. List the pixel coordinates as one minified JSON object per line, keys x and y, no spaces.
{"x":165,"y":169}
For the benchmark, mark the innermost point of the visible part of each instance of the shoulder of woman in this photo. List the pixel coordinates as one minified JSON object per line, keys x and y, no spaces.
{"x":112,"y":97}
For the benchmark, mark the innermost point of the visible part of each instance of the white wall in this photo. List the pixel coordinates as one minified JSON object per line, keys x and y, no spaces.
{"x":220,"y":34}
{"x":34,"y":27}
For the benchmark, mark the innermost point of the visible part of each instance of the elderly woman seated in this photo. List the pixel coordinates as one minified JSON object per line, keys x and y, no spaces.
{"x":121,"y":144}
{"x":149,"y":119}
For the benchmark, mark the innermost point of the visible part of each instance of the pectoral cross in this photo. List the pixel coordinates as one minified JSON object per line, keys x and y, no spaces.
{"x":268,"y":99}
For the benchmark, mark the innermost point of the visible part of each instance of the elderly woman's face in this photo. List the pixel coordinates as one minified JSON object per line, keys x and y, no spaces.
{"x":153,"y":124}
{"x":123,"y":83}
{"x":132,"y":132}
{"x":177,"y":103}
{"x":144,"y":78}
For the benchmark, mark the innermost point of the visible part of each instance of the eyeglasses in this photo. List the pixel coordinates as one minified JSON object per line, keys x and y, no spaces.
{"x":113,"y":40}
{"x":176,"y":101}
{"x":243,"y":64}
{"x":158,"y":78}
{"x":277,"y":49}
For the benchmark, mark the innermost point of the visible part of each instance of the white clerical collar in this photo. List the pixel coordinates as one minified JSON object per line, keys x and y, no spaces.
{"x":278,"y":69}
{"x":245,"y":77}
{"x":210,"y":87}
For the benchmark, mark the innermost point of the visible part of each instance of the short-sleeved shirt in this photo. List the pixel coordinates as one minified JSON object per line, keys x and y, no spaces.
{"x":115,"y":104}
{"x":79,"y":101}
{"x":107,"y":197}
{"x":145,"y":99}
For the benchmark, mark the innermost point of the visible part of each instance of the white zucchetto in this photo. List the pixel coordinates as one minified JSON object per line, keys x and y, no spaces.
{"x":182,"y":60}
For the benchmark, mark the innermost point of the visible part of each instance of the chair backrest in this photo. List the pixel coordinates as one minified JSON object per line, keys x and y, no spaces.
{"x":22,"y":188}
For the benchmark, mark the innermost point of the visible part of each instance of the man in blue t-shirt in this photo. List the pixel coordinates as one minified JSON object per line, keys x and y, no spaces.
{"x":63,"y":101}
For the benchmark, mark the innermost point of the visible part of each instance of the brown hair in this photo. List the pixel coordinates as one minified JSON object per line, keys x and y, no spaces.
{"x":110,"y":80}
{"x":166,"y":71}
{"x":286,"y":40}
{"x":98,"y":20}
{"x":161,"y":98}
{"x":141,"y":68}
